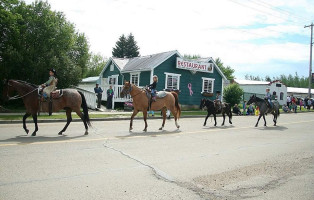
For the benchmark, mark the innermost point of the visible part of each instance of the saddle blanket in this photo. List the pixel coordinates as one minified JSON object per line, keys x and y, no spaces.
{"x":161,"y":94}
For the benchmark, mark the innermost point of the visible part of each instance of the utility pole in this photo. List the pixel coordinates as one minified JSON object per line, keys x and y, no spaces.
{"x":310,"y":68}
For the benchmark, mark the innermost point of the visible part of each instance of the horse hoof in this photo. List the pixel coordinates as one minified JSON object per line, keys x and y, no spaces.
{"x":27,"y":131}
{"x":145,"y":130}
{"x":178,"y":127}
{"x":256,"y":125}
{"x":160,"y":128}
{"x":86,"y":133}
{"x":60,"y":133}
{"x":34,"y":134}
{"x":204,"y":124}
{"x":230,"y":122}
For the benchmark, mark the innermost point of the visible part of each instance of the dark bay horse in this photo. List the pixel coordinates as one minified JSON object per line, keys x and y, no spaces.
{"x":72,"y":100}
{"x":263,"y":108}
{"x":141,"y":103}
{"x":211,"y":109}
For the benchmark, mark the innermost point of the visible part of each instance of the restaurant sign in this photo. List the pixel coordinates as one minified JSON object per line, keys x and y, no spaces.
{"x":194,"y":66}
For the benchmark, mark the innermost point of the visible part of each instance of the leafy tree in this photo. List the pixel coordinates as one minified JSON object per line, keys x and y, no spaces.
{"x":253,"y":78}
{"x":227,"y":71}
{"x":95,"y":65}
{"x":233,"y":94}
{"x":289,"y":80}
{"x":34,"y":38}
{"x":126,"y":47}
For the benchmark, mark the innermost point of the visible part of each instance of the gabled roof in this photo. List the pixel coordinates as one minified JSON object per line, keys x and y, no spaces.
{"x":250,"y":82}
{"x":90,"y":79}
{"x":207,"y":60}
{"x":299,"y":90}
{"x":147,"y":63}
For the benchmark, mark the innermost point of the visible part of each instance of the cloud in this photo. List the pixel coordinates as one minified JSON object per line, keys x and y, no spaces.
{"x":242,"y":33}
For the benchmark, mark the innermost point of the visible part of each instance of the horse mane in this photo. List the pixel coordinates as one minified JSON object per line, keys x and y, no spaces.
{"x":26,"y":83}
{"x":259,"y":99}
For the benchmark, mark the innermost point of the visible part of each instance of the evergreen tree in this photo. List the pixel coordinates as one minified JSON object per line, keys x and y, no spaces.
{"x":120,"y":49}
{"x":131,"y":47}
{"x":126,"y":47}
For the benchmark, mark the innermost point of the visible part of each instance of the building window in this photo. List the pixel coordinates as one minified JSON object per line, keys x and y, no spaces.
{"x":135,"y":78}
{"x":281,"y":95}
{"x":278,"y":85}
{"x":113,"y":80}
{"x":111,"y":67}
{"x":208,"y":85}
{"x":172,"y":81}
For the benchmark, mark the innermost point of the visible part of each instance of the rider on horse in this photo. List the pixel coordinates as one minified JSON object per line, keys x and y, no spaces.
{"x":50,"y":85}
{"x":218,"y":101}
{"x":153,"y":86}
{"x":268,"y":98}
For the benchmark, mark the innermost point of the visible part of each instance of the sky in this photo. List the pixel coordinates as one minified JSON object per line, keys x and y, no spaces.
{"x":254,"y":37}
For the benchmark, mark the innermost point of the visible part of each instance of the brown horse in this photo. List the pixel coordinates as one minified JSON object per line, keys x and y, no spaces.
{"x":71,"y":100}
{"x":141,"y":103}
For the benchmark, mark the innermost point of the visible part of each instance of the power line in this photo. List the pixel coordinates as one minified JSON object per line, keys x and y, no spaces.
{"x":264,"y":12}
{"x":277,"y":9}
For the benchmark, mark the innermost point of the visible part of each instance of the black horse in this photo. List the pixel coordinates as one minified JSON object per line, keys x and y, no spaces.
{"x":211,"y":109}
{"x":263,"y":108}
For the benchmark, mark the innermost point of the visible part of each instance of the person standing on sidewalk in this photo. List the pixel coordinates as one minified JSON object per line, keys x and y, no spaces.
{"x":98,"y":92}
{"x":109,"y":97}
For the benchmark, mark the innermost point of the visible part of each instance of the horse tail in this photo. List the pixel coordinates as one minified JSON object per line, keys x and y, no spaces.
{"x":85,"y":109}
{"x":175,"y":95}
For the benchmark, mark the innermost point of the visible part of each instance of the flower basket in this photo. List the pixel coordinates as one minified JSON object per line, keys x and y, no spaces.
{"x":207,"y":94}
{"x":128,"y":106}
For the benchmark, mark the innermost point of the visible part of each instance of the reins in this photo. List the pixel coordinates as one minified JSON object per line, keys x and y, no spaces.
{"x":18,"y":96}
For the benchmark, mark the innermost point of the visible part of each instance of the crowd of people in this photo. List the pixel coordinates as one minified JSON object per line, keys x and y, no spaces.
{"x":294,"y":104}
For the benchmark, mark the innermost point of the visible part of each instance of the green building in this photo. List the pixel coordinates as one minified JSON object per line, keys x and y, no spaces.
{"x":194,"y":79}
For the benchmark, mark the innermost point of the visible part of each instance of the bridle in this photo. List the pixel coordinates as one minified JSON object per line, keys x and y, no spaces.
{"x":125,"y":92}
{"x":17,"y":96}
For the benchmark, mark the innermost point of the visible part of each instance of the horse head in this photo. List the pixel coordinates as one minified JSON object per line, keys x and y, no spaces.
{"x":252,"y":99}
{"x":8,"y":89}
{"x":202,"y":105}
{"x":126,"y":89}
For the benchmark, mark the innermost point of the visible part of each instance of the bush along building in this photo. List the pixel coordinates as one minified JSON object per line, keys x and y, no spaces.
{"x":193,"y":79}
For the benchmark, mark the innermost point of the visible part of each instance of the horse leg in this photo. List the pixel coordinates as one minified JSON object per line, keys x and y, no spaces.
{"x":132,"y":117}
{"x":145,"y":119}
{"x":174,"y":113}
{"x":264,"y":120}
{"x":69,"y":120}
{"x":35,"y":121}
{"x":275,"y":119}
{"x":206,"y":119}
{"x":259,"y":117}
{"x":80,"y":114}
{"x":215,"y":119}
{"x":24,"y":122}
{"x":164,"y":110}
{"x":230,"y":117}
{"x":223,"y":119}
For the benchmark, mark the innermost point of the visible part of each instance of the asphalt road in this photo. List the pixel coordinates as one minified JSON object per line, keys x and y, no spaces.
{"x":232,"y":162}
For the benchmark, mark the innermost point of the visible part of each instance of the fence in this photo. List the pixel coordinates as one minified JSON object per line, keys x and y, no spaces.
{"x":90,"y":97}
